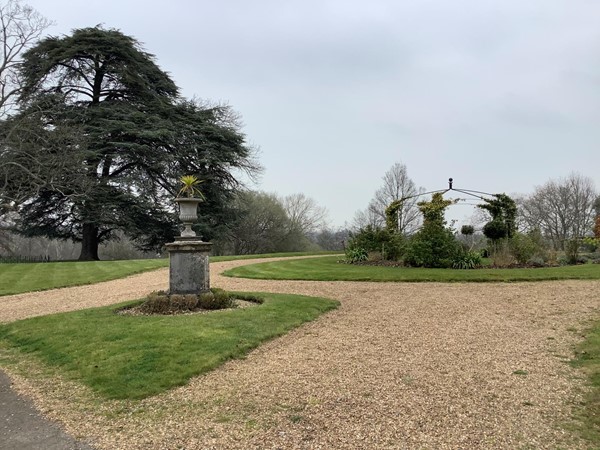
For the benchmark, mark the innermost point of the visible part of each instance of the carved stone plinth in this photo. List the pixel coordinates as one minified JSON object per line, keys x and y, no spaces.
{"x":188,"y":266}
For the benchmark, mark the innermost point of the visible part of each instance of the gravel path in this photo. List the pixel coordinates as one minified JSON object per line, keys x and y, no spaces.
{"x":398,"y":365}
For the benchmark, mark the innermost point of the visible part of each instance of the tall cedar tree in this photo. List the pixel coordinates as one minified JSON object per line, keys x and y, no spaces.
{"x":134,"y":137}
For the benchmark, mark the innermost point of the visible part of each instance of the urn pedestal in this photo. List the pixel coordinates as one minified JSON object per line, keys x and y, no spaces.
{"x":189,"y":271}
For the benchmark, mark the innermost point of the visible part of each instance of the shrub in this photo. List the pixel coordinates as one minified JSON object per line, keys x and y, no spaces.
{"x":583,"y":259}
{"x":163,"y":303}
{"x":591,"y":244}
{"x":215,"y":299}
{"x":371,"y":239}
{"x":432,"y":246}
{"x":467,"y":260}
{"x":500,"y":254}
{"x":159,"y":302}
{"x":524,"y":247}
{"x":572,"y":250}
{"x":537,"y":261}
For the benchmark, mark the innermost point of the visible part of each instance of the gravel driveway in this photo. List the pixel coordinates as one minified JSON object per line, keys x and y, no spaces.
{"x":398,"y":365}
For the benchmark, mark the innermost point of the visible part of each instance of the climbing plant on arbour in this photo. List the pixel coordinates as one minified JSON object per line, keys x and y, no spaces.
{"x":434,"y":245}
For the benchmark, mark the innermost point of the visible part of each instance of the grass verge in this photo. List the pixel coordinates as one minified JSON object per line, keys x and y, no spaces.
{"x":132,"y":357}
{"x":588,"y":359}
{"x":328,"y":269}
{"x":27,"y":277}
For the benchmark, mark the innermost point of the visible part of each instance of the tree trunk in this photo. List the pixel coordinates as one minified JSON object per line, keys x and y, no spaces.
{"x":89,"y":243}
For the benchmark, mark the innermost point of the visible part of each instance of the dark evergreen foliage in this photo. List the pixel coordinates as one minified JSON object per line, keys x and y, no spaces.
{"x":503,"y":210}
{"x":133,"y":137}
{"x":434,"y":245}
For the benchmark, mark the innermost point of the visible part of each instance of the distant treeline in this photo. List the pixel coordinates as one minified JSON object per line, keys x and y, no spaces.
{"x":6,"y":259}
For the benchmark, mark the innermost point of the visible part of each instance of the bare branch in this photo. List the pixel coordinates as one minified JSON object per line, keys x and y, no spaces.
{"x":21,"y":27}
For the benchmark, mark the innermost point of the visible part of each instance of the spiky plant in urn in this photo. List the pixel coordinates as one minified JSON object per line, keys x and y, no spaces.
{"x":188,"y":198}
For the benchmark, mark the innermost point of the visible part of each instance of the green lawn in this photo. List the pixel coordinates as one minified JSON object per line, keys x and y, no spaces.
{"x":128,"y":357}
{"x":25,"y":277}
{"x":328,"y":269}
{"x":588,"y":358}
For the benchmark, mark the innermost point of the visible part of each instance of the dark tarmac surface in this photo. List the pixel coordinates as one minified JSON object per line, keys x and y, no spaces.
{"x":23,"y":428}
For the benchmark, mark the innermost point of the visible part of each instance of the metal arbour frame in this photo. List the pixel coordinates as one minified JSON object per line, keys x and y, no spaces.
{"x":476,"y":194}
{"x":470,"y":192}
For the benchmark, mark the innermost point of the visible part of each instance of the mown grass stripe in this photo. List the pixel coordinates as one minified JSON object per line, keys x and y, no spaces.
{"x":329,"y":269}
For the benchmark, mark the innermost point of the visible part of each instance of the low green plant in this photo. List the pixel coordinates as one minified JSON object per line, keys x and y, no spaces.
{"x":537,"y":261}
{"x":161,"y":302}
{"x":467,"y":260}
{"x":356,"y":254}
{"x":216,"y":299}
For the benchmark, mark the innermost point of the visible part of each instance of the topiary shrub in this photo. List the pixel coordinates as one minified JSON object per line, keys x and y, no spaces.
{"x":503,"y":210}
{"x":495,"y":230}
{"x":467,"y":230}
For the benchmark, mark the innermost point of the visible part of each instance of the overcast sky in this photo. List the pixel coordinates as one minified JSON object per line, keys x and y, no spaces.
{"x":500,"y":95}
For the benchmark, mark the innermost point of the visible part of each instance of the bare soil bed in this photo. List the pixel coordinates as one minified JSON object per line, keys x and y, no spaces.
{"x":398,"y":365}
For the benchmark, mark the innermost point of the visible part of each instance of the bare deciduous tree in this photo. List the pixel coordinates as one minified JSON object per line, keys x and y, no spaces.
{"x":21,"y":27}
{"x":364,"y":218}
{"x":305,"y":215}
{"x":397,"y":185}
{"x":561,"y":209}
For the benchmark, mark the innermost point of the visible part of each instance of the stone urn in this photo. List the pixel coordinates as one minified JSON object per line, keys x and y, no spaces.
{"x":188,"y":214}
